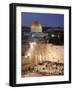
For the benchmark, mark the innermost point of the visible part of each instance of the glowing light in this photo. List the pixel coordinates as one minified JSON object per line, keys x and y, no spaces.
{"x":52,"y":35}
{"x":32,"y":44}
{"x":28,"y":55}
{"x":32,"y":35}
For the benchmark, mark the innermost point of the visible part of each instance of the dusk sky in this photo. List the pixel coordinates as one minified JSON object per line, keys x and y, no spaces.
{"x":49,"y":20}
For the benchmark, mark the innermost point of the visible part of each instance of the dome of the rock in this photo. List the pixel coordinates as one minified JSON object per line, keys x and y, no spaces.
{"x":36,"y":27}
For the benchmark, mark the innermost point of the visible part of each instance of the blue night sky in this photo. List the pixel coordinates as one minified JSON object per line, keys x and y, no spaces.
{"x":49,"y":20}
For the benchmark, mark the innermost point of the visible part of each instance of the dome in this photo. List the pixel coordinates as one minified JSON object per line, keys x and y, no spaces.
{"x":36,"y":27}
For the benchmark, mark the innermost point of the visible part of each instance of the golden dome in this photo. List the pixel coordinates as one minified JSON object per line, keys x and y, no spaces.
{"x":36,"y":27}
